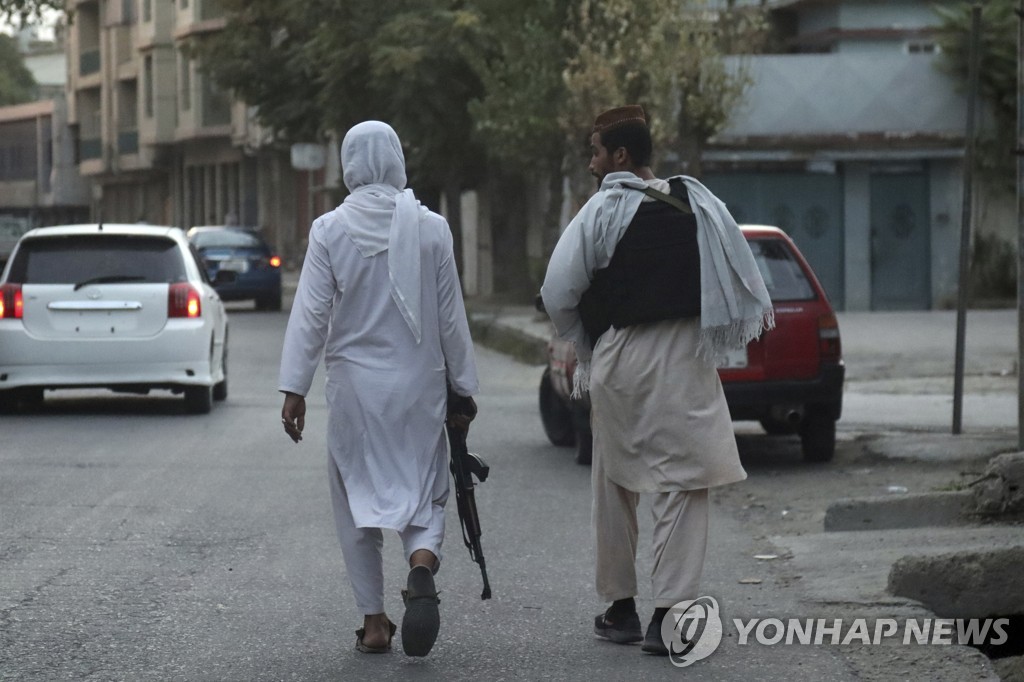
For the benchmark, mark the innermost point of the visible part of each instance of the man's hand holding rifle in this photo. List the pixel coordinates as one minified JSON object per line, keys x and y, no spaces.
{"x":464,"y":465}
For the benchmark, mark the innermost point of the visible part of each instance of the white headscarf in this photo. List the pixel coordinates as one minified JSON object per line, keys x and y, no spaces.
{"x":380,"y":214}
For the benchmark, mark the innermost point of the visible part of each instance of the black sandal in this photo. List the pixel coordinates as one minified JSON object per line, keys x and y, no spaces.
{"x":422,"y":619}
{"x":361,"y":632}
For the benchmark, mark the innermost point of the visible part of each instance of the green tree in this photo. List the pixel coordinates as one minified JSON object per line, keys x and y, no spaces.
{"x":266,"y":57}
{"x":997,"y":76}
{"x":316,"y":68}
{"x":673,"y":66}
{"x":16,"y":82}
{"x":408,"y":67}
{"x":516,"y":121}
{"x":14,"y":11}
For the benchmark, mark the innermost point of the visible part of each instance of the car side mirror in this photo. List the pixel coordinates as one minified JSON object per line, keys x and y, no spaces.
{"x":225,"y":277}
{"x":538,"y":303}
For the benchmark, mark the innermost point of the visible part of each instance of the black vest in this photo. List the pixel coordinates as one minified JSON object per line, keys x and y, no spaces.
{"x":654,"y":273}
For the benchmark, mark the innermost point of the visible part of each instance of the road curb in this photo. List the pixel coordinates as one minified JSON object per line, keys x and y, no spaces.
{"x":488,"y":330}
{"x":960,"y":584}
{"x":915,"y":510}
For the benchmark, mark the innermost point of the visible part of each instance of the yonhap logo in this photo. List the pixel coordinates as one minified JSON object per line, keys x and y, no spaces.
{"x":692,"y":630}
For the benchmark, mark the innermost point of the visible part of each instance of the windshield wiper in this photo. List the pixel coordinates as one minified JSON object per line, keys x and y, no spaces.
{"x":109,"y":279}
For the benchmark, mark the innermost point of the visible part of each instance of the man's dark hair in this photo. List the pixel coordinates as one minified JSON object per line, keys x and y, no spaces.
{"x":635,"y":137}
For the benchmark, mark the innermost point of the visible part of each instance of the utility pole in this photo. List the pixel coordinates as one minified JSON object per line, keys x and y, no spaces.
{"x":1020,"y":226}
{"x":965,"y":221}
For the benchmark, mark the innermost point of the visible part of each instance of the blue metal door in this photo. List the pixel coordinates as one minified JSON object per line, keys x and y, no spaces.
{"x":900,"y":242}
{"x":807,"y":206}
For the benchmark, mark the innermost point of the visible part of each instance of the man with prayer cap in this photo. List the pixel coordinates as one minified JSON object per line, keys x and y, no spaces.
{"x":380,"y":299}
{"x":651,"y":281}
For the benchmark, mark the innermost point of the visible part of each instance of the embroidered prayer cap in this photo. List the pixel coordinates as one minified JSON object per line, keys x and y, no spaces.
{"x":613,"y":118}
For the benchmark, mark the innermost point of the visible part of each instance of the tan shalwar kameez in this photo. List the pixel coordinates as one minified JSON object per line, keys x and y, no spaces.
{"x":660,"y":421}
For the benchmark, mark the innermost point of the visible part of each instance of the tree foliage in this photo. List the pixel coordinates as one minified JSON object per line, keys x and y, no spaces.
{"x":423,"y":82}
{"x":673,"y":66}
{"x":997,"y":74}
{"x":318,"y":67}
{"x":20,"y":11}
{"x":265,"y":58}
{"x":520,"y":68}
{"x":16,"y":82}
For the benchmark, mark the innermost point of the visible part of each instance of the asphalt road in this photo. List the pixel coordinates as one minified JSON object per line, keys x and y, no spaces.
{"x":141,"y":543}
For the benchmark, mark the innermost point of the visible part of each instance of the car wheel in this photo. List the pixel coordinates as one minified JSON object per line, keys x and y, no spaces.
{"x":818,"y":435}
{"x":584,"y":447}
{"x":777,"y":427}
{"x":554,"y":414}
{"x":8,"y":402}
{"x":28,"y":399}
{"x":220,"y":389}
{"x":272,"y":302}
{"x":198,"y":399}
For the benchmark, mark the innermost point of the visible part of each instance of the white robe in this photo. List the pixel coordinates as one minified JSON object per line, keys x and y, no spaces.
{"x":386,"y":393}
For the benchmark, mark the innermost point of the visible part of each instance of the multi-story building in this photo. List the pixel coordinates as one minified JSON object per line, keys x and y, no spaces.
{"x":157,"y":139}
{"x":851,"y":139}
{"x":39,"y":180}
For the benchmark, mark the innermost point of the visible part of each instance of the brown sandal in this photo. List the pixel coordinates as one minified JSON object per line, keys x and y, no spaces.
{"x":361,"y":632}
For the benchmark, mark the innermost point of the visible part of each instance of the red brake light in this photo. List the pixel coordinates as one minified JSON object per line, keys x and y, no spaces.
{"x":183,"y":301}
{"x":275,"y":261}
{"x":828,"y":337}
{"x":11,"y":302}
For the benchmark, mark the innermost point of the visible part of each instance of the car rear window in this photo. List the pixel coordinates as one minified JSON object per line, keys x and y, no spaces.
{"x":226,"y":239}
{"x":80,"y":258}
{"x":783,"y":276}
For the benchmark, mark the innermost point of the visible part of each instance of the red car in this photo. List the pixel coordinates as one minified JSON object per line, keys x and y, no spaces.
{"x":790,"y":380}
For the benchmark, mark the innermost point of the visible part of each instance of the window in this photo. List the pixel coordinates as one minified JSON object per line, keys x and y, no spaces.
{"x":185,"y":79}
{"x":224,"y":239}
{"x":783,"y":276}
{"x":147,"y":95}
{"x":78,"y":258}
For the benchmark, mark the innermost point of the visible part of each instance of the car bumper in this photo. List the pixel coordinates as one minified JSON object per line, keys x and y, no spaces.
{"x":756,"y":399}
{"x":251,"y":285}
{"x":179,"y":356}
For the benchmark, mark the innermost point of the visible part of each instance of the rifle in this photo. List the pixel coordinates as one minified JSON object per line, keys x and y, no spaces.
{"x":465,"y":465}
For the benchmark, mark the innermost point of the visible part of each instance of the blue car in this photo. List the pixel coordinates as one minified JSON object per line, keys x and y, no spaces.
{"x":239,"y":250}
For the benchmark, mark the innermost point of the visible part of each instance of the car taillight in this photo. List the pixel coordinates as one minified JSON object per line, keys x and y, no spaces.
{"x":828,"y":338}
{"x":183,"y":301}
{"x":11,"y":302}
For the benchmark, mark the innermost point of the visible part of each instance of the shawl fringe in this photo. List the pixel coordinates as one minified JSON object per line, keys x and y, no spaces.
{"x":713,"y":341}
{"x":580,"y":379}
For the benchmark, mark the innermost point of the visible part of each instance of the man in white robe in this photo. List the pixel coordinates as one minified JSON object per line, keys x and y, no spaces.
{"x":379,"y":297}
{"x":658,"y":412}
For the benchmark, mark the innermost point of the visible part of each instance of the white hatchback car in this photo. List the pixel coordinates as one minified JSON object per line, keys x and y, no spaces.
{"x":124,"y":307}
